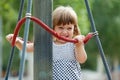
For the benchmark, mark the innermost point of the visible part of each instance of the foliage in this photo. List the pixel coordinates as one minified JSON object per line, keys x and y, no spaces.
{"x":107,"y":17}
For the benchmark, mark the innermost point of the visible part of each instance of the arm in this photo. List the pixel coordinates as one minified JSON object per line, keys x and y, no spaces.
{"x":19,"y":43}
{"x":80,"y":52}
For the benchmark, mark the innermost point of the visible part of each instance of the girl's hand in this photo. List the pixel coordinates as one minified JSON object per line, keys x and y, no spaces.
{"x":80,"y":39}
{"x":9,"y":37}
{"x":80,"y":52}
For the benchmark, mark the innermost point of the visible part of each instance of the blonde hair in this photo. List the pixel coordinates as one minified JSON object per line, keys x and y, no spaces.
{"x":65,"y":15}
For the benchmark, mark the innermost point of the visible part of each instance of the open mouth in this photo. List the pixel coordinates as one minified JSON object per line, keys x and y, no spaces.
{"x":66,"y":36}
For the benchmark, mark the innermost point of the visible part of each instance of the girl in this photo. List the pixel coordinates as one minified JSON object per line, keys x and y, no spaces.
{"x":66,"y":55}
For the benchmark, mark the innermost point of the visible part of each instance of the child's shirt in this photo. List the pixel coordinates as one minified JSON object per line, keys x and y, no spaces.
{"x":65,"y":66}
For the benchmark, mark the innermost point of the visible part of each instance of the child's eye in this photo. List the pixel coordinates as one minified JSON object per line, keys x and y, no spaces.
{"x":61,"y":28}
{"x":69,"y":28}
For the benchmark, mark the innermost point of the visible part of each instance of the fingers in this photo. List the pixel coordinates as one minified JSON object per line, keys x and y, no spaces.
{"x":9,"y":37}
{"x":80,"y":38}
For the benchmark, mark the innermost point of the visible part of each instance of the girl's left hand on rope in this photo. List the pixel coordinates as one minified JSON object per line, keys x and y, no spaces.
{"x":80,"y":39}
{"x":9,"y":37}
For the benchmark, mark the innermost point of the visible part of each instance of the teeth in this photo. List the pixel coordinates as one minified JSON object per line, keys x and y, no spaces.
{"x":65,"y":36}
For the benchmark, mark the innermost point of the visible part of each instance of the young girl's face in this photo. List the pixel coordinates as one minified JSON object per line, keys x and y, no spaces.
{"x":66,"y":31}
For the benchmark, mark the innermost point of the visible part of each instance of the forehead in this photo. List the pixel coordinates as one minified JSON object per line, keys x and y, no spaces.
{"x":64,"y":19}
{"x":65,"y":25}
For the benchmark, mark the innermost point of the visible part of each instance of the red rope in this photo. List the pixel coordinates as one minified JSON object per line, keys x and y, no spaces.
{"x":17,"y":28}
{"x":43,"y":25}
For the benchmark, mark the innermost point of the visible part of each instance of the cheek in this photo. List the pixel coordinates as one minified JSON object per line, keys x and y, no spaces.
{"x":71,"y":33}
{"x":57,"y":31}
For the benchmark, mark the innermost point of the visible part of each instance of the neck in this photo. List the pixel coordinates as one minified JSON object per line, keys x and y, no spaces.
{"x":59,"y":43}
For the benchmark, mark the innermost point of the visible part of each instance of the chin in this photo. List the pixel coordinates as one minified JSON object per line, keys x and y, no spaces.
{"x":61,"y":41}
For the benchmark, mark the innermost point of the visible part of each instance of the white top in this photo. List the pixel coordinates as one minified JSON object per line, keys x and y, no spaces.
{"x":65,"y":66}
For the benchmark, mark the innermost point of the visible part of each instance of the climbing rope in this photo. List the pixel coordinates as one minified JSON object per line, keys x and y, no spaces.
{"x":47,"y":28}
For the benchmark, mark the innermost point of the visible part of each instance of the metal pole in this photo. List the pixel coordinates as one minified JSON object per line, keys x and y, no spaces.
{"x":98,"y":42}
{"x":42,"y":41}
{"x":0,"y":48}
{"x":26,"y":32}
{"x":13,"y":48}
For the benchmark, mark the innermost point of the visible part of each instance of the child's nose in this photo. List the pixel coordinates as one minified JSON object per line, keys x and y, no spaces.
{"x":64,"y":31}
